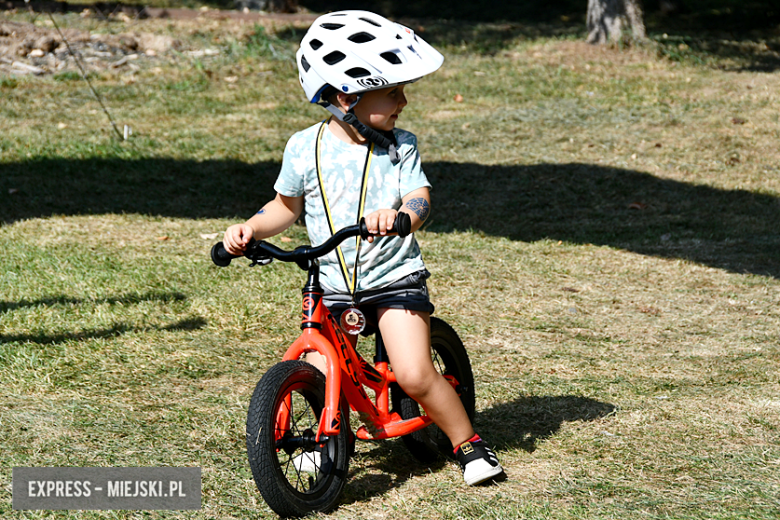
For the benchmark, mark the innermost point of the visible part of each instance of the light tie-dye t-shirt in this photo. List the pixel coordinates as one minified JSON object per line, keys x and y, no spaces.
{"x":387,"y":259}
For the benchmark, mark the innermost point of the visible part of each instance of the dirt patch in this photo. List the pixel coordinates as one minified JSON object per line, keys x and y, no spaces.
{"x":216,"y":14}
{"x":109,"y":9}
{"x":27,"y":48}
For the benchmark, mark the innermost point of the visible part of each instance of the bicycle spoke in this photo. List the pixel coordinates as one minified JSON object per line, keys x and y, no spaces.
{"x":294,"y":473}
{"x":302,"y":420}
{"x":438,"y":363}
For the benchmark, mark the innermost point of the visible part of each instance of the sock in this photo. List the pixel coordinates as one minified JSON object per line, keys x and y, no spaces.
{"x":475,"y":438}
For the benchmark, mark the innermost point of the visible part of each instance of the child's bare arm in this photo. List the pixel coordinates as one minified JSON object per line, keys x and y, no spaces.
{"x":275,"y":217}
{"x":417,"y":204}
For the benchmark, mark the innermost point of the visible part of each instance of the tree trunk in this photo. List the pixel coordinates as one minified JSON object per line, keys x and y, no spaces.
{"x":607,"y":18}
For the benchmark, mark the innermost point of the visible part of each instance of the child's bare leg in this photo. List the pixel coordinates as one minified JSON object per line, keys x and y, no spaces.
{"x":316,"y":359}
{"x":407,"y":338}
{"x":319,"y":361}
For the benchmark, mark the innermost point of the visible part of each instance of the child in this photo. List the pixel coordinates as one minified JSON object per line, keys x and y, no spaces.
{"x":356,"y":64}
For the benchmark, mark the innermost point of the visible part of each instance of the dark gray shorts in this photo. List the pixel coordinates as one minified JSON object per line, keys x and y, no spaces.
{"x":410,"y":293}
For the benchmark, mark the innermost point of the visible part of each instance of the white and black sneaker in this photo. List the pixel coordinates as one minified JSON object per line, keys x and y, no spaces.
{"x":478,"y":462}
{"x":311,"y":461}
{"x":308,"y":461}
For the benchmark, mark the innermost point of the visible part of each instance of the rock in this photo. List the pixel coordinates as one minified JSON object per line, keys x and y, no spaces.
{"x":128,"y":41}
{"x":251,"y":5}
{"x":23,"y":67}
{"x":157,"y":43}
{"x":120,"y":63}
{"x":24,"y":48}
{"x":274,"y":6}
{"x":46,"y":44}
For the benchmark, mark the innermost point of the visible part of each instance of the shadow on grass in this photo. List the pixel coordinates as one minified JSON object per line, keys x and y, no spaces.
{"x":627,"y":209}
{"x":526,"y":421}
{"x":734,"y":230}
{"x":739,"y":52}
{"x":118,"y":329}
{"x":126,"y":299}
{"x":522,"y":423}
{"x":488,"y":36}
{"x":382,"y":466}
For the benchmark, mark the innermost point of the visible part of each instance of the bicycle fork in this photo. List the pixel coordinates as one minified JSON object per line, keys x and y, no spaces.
{"x":312,"y":339}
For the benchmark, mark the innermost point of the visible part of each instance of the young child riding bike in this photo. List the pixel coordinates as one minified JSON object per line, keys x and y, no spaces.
{"x":356,"y":164}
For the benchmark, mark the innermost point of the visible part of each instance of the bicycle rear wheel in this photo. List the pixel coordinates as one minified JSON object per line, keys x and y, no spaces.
{"x":450,"y":359}
{"x":281,"y":428}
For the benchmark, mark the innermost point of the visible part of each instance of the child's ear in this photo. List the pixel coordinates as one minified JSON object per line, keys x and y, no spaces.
{"x":345,"y":100}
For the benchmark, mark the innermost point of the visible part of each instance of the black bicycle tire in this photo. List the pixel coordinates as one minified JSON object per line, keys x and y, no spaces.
{"x":428,"y":444}
{"x":271,"y":466}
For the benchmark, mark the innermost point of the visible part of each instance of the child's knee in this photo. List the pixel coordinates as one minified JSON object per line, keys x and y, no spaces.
{"x":416,"y":382}
{"x":318,"y":360}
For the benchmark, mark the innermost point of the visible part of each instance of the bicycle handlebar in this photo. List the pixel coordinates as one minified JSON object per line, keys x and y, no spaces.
{"x":261,"y":252}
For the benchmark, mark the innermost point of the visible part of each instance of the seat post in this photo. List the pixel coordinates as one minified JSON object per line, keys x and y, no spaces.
{"x":380,"y":355}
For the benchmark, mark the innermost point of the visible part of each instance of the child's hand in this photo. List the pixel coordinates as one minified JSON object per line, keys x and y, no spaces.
{"x":237,"y":237}
{"x":380,"y":222}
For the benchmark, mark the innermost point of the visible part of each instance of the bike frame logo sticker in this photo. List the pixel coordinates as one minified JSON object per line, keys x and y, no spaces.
{"x":375,"y":82}
{"x":309,"y":305}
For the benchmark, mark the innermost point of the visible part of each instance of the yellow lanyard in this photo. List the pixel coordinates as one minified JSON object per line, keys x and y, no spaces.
{"x":352,"y":286}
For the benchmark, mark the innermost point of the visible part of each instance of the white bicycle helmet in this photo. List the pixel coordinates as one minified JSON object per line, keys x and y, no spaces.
{"x":358,"y":51}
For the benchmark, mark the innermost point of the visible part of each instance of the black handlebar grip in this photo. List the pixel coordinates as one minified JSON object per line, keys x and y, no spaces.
{"x":220,"y":256}
{"x":403,"y":224}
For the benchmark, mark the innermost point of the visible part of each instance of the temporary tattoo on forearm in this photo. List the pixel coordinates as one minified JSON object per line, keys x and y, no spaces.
{"x":420,"y":207}
{"x":261,"y":211}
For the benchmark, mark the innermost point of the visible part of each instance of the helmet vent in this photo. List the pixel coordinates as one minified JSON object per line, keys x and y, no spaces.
{"x":361,"y":37}
{"x":305,"y":64}
{"x":315,"y":44}
{"x":357,"y":72}
{"x":334,"y":57}
{"x":372,"y":22}
{"x":332,"y":26}
{"x":391,"y":57}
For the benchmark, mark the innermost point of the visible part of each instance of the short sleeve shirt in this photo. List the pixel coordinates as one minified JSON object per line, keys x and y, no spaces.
{"x":387,"y":259}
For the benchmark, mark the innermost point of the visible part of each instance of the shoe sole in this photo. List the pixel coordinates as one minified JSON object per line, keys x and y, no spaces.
{"x":485,"y":476}
{"x":308,"y":462}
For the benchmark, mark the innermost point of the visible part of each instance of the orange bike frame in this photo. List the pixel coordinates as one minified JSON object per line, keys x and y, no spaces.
{"x":348,"y":373}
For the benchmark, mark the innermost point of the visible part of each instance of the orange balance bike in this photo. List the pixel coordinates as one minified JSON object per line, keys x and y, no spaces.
{"x":298,"y":433}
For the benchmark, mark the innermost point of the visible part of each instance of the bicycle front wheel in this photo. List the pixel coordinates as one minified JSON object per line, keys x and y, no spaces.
{"x":295,"y":475}
{"x":450,"y":359}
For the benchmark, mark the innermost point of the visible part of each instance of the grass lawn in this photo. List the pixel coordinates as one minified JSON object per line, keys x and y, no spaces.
{"x":605,"y":237}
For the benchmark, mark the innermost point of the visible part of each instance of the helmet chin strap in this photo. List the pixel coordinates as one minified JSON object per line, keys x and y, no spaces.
{"x":384,"y":140}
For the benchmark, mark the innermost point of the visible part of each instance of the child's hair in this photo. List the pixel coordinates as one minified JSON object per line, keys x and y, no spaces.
{"x":329,"y":94}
